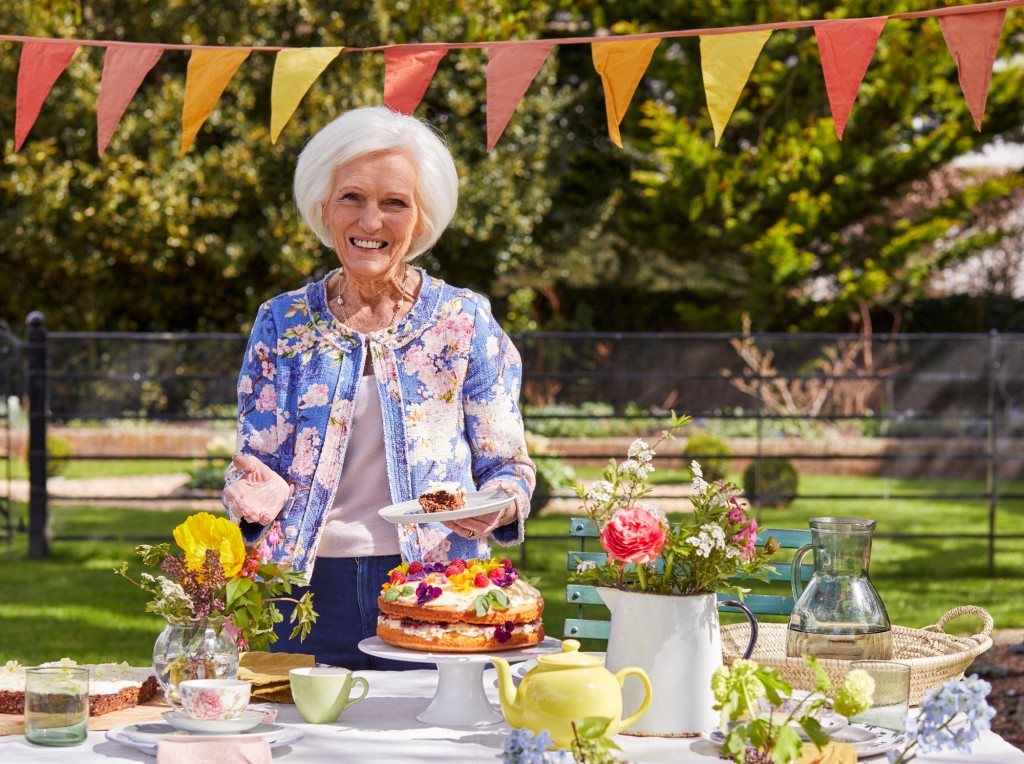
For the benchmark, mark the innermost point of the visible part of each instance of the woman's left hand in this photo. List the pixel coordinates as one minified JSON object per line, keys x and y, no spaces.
{"x":482,"y":525}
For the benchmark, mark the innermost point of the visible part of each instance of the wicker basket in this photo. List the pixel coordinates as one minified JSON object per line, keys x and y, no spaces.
{"x":934,"y":655}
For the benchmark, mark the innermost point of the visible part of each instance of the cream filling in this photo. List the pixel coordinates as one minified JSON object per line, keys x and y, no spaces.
{"x":519,"y":594}
{"x":104,"y":678}
{"x":432,"y":631}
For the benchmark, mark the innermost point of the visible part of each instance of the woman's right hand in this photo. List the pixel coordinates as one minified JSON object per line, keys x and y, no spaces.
{"x":259,"y":494}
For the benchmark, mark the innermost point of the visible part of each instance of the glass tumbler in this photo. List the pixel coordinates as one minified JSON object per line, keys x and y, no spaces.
{"x":892,"y":694}
{"x":56,"y":705}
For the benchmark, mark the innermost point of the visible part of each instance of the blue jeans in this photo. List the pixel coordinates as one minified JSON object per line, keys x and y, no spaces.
{"x":345,"y":591}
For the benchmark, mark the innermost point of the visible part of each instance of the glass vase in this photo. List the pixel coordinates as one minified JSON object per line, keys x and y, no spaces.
{"x":193,"y":648}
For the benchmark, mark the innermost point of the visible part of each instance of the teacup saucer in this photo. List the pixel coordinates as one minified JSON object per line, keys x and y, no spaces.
{"x":247,"y":720}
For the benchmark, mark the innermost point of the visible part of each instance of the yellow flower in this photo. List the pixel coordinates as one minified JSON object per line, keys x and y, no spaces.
{"x":204,"y":531}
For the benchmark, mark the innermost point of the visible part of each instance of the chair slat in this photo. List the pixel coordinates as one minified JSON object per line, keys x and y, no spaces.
{"x":578,"y":628}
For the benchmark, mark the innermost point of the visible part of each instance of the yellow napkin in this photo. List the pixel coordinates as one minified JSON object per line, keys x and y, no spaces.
{"x":833,"y":753}
{"x":268,"y":673}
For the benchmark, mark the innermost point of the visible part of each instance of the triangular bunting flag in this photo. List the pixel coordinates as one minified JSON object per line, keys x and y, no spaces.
{"x":124,"y":68}
{"x":621,"y":64}
{"x":407,"y":72}
{"x":40,"y":66}
{"x":510,"y":70}
{"x":295,"y":70}
{"x":973,"y":39}
{"x":209,"y":72}
{"x":846,"y":49}
{"x":726,"y":61}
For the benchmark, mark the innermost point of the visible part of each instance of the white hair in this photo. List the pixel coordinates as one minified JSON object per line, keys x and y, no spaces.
{"x":374,"y":130}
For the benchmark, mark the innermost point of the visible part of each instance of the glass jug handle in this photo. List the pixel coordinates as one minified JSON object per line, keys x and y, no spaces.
{"x":795,"y":578}
{"x":750,"y":617}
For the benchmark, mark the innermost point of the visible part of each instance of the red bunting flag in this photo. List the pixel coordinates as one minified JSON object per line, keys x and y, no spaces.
{"x":846,"y":49}
{"x":973,"y":39}
{"x":124,"y":69}
{"x":407,"y":72}
{"x":40,"y":66}
{"x":510,"y":70}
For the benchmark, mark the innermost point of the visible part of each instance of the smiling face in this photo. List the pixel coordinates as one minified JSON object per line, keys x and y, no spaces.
{"x":372,"y":214}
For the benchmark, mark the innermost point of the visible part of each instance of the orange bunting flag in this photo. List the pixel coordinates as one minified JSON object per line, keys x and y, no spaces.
{"x":124,"y":69}
{"x":973,"y":39}
{"x":407,"y":72}
{"x":846,"y":49}
{"x":295,"y":71}
{"x":209,"y":72}
{"x":621,"y":64}
{"x":40,"y":66}
{"x":510,"y":70}
{"x":726,"y":61}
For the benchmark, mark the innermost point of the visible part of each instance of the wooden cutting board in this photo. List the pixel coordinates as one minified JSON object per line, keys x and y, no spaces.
{"x":151,"y":711}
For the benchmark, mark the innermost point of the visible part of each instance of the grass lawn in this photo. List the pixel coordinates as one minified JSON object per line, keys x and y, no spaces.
{"x":72,"y":604}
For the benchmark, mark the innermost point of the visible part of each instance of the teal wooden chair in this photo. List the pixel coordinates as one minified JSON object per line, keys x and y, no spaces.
{"x":585,"y":626}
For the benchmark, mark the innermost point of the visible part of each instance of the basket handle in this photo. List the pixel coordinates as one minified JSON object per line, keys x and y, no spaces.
{"x":986,"y":625}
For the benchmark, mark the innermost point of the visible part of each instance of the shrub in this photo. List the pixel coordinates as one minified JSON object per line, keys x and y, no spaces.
{"x":712,"y":452}
{"x":778,"y":484}
{"x":58,"y":455}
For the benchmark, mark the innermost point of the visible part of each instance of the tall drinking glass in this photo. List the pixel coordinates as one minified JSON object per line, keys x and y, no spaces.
{"x":56,"y":705}
{"x":892,"y":694}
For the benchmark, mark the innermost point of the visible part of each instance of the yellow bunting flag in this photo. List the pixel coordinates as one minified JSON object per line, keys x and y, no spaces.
{"x":726,"y":61}
{"x":209,"y":72}
{"x":295,"y":71}
{"x":621,"y":64}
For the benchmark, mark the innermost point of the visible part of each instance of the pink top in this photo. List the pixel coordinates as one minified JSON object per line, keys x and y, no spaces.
{"x":352,"y":526}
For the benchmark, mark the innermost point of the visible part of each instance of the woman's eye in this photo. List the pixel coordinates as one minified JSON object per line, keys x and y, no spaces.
{"x":400,"y":204}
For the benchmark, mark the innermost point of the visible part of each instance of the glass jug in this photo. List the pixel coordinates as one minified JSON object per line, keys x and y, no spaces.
{"x":839,"y":614}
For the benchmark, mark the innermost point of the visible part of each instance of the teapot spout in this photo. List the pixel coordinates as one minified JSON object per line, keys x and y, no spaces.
{"x":507,"y":693}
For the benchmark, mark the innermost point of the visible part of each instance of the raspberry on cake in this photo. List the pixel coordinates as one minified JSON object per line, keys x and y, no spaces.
{"x":462,"y":606}
{"x":442,"y":496}
{"x":112,"y":686}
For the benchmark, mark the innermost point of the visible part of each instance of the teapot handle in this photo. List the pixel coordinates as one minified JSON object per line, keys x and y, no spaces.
{"x":639,"y":673}
{"x":795,"y":577}
{"x":753,"y":623}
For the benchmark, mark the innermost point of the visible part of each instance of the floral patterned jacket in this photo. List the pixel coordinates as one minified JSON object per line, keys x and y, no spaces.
{"x":449,"y":381}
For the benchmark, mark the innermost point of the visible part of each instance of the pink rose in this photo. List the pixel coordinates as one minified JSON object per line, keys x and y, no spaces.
{"x":206,"y":705}
{"x":633,"y":535}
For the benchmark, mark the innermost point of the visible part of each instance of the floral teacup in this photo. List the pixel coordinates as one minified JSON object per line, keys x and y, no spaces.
{"x":214,"y":698}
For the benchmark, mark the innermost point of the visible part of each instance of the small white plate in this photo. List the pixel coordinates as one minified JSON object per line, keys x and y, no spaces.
{"x":246,"y":721}
{"x":477,"y":503}
{"x":145,"y":737}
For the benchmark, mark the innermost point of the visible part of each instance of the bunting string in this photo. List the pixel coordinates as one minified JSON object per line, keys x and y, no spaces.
{"x":728,"y":55}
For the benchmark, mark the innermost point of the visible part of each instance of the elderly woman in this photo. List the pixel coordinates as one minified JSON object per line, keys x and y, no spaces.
{"x":360,"y":389}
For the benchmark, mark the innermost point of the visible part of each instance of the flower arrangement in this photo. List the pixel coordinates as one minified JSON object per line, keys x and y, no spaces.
{"x":216,"y":574}
{"x":645,"y":552}
{"x":951,"y":717}
{"x":589,"y":746}
{"x":766,"y":735}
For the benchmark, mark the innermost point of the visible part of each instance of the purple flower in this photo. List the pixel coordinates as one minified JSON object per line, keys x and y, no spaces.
{"x":425,"y":592}
{"x":503,"y":633}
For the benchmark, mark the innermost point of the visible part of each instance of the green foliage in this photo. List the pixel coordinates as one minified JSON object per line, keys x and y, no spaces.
{"x":771,"y":482}
{"x":58,"y":455}
{"x":590,"y":745}
{"x":712,"y":452}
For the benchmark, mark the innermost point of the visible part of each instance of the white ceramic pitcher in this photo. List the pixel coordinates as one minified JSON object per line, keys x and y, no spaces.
{"x":676,"y":641}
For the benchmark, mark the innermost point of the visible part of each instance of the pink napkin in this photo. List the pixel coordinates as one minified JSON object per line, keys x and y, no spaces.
{"x":221,"y":750}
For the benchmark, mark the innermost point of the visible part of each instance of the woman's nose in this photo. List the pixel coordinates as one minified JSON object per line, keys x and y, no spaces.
{"x":370,"y":217}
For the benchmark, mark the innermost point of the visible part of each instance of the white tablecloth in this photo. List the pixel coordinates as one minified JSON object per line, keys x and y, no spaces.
{"x":383,"y":728}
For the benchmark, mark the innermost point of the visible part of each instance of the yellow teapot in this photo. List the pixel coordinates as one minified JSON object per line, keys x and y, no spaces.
{"x":564,"y":688}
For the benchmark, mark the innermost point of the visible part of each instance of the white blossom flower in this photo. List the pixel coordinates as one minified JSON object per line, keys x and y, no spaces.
{"x":632,"y":467}
{"x":700,"y":486}
{"x":646,"y":506}
{"x":600,"y":491}
{"x":584,"y":565}
{"x":710,"y":538}
{"x":696,"y":469}
{"x":640,"y":451}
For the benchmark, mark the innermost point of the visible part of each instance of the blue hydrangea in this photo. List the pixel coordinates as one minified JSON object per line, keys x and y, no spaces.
{"x":951,"y":718}
{"x":522,"y":746}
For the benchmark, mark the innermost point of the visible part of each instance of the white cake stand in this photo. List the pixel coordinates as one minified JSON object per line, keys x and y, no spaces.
{"x":460,"y":700}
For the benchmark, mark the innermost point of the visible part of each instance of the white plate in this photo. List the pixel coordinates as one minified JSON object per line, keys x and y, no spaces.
{"x":866,"y":740}
{"x":246,"y":721}
{"x":477,"y":503}
{"x":146,"y":735}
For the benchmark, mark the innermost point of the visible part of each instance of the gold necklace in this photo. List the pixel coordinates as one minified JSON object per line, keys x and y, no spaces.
{"x":339,"y":300}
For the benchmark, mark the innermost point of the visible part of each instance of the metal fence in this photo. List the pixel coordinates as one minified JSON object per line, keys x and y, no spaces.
{"x":921,"y":407}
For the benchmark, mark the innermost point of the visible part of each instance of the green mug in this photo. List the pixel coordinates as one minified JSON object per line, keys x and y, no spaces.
{"x":322,"y":693}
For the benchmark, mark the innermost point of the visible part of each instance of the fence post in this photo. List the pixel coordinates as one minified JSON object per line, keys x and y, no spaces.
{"x":38,"y":411}
{"x":992,"y":470}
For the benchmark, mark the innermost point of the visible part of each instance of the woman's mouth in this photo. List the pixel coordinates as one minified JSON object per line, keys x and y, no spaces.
{"x":368,"y":244}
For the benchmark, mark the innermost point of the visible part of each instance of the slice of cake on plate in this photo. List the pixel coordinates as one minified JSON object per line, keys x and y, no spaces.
{"x":442,"y":496}
{"x":112,"y":686}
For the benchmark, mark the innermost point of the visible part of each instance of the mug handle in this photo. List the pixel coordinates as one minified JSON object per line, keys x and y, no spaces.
{"x":357,"y":680}
{"x":753,"y":623}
